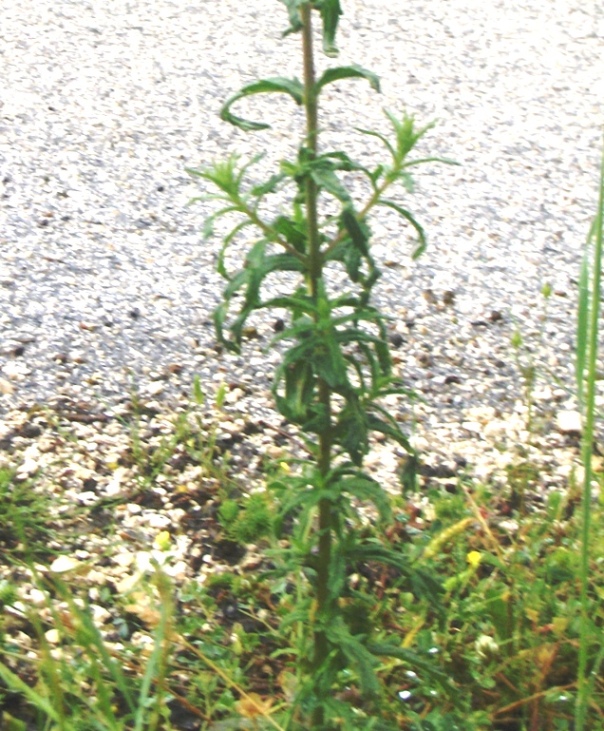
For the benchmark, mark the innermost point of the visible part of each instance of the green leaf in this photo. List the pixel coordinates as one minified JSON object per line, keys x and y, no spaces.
{"x":330,"y":13}
{"x":278,"y":85}
{"x":299,"y":383}
{"x":350,"y":257}
{"x":329,"y":363}
{"x":208,"y":224}
{"x":299,"y":614}
{"x":329,"y":181}
{"x":309,"y":341}
{"x":358,"y":230}
{"x":220,"y":265}
{"x":40,"y":702}
{"x":258,"y":265}
{"x":318,"y":421}
{"x":347,"y":72}
{"x":340,"y":161}
{"x":220,"y":315}
{"x":408,"y":217}
{"x":351,"y":431}
{"x":365,"y":488}
{"x":406,"y":135}
{"x":388,"y":426}
{"x":356,"y":653}
{"x":392,"y":174}
{"x":381,"y":137}
{"x":270,"y":186}
{"x":582,"y":328}
{"x":416,"y":661}
{"x":307,"y":499}
{"x":376,"y":552}
{"x":198,"y":394}
{"x":225,"y":174}
{"x":423,"y":582}
{"x":291,"y":231}
{"x":9,"y":723}
{"x":409,"y":473}
{"x":423,"y":160}
{"x":497,"y":606}
{"x":294,"y":15}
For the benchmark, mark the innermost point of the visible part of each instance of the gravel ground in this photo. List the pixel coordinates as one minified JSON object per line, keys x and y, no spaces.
{"x":106,"y":284}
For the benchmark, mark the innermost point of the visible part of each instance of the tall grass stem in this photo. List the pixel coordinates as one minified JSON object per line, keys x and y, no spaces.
{"x":596,"y":235}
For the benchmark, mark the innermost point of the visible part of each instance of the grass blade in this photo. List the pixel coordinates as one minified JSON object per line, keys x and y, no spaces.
{"x":14,"y":682}
{"x":586,"y":452}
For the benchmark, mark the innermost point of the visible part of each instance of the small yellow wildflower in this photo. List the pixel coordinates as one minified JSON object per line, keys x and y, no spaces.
{"x":162,"y":540}
{"x":474,"y":558}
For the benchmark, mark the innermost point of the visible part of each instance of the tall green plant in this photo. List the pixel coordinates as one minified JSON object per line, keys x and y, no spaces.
{"x":588,"y":332}
{"x":336,"y":367}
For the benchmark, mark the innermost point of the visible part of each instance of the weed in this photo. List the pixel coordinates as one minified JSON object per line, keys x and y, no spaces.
{"x":526,"y":362}
{"x":248,"y":522}
{"x":336,"y":368}
{"x":24,"y":525}
{"x":189,"y":436}
{"x":586,"y":369}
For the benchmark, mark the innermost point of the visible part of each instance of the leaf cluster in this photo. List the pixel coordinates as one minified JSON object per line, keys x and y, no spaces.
{"x":338,"y":338}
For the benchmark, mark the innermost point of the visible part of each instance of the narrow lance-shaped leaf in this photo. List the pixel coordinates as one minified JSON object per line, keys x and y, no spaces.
{"x":367,"y":489}
{"x":582,"y":327}
{"x":351,"y":431}
{"x":220,"y":266}
{"x":348,"y":72}
{"x":414,"y":660}
{"x":294,"y":15}
{"x":13,"y":682}
{"x":355,"y":652}
{"x":330,"y":14}
{"x":278,"y":85}
{"x":330,"y":364}
{"x":359,"y":232}
{"x":257,"y":267}
{"x":270,"y":186}
{"x":388,"y":427}
{"x":291,"y":232}
{"x":419,"y":250}
{"x":384,"y":139}
{"x":328,"y":180}
{"x":208,"y":224}
{"x":225,"y":174}
{"x":299,"y":386}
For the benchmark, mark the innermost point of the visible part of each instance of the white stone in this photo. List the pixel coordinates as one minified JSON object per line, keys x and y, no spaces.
{"x":53,"y":636}
{"x":65,"y":564}
{"x":569,"y":422}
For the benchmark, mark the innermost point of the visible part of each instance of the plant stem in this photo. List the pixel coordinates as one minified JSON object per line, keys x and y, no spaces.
{"x":586,"y":451}
{"x":312,"y":132}
{"x":321,"y":642}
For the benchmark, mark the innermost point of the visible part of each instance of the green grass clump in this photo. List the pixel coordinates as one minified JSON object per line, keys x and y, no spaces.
{"x":248,"y":522}
{"x":24,"y":518}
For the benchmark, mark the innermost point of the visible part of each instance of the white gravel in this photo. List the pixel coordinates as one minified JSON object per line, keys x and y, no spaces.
{"x":104,"y":279}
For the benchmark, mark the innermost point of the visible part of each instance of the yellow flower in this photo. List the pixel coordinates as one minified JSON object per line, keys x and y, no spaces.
{"x":162,"y":540}
{"x":474,"y":558}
